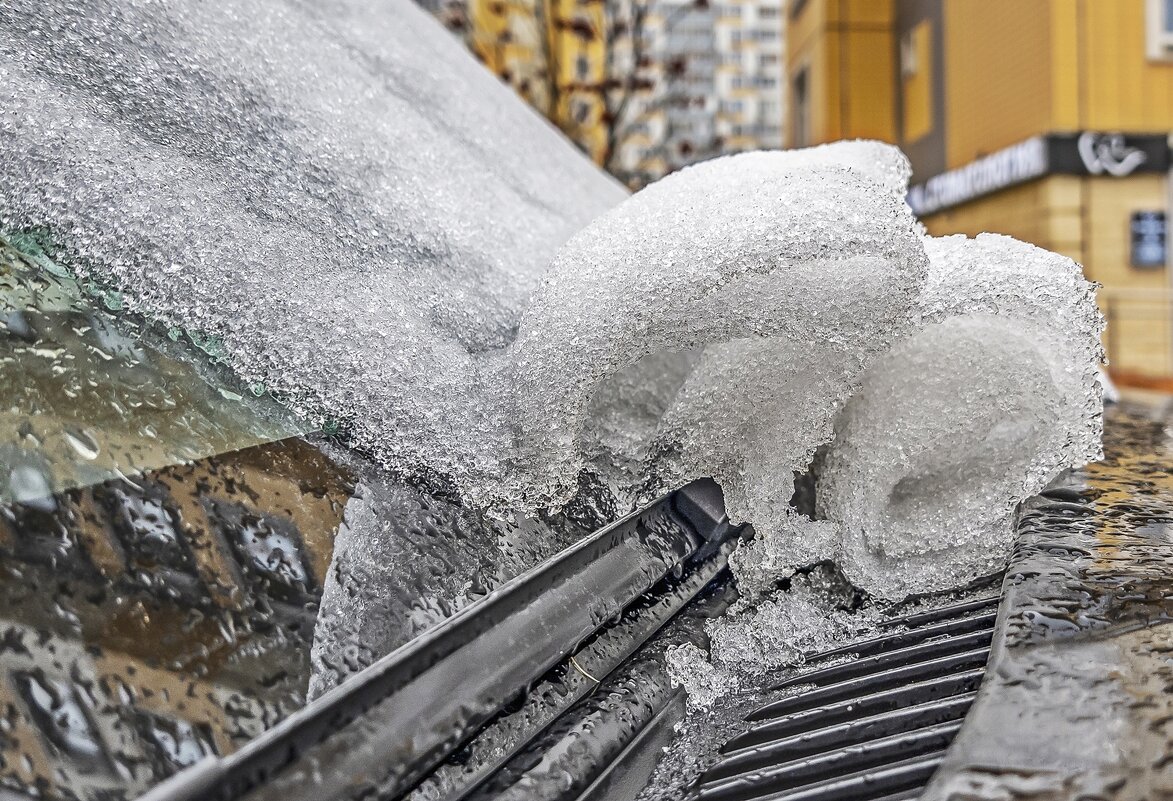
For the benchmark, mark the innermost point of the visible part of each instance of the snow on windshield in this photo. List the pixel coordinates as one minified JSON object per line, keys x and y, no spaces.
{"x":334,"y":191}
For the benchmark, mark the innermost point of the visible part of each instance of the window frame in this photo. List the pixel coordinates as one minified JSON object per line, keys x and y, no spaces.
{"x":800,"y":103}
{"x":1159,"y":30}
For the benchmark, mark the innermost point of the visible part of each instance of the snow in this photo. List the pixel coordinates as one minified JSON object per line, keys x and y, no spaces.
{"x":931,"y":508}
{"x":335,"y":192}
{"x":363,"y":221}
{"x":924,"y":474}
{"x":754,"y":643}
{"x":790,"y":271}
{"x":983,"y":403}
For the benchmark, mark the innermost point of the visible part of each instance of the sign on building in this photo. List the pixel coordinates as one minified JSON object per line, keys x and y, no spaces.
{"x":1110,"y":155}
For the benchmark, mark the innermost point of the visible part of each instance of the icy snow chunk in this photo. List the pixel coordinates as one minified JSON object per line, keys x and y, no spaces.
{"x":977,"y":408}
{"x":779,"y":630}
{"x":335,"y":192}
{"x":776,"y":553}
{"x":705,"y":683}
{"x":966,"y":418}
{"x":929,"y":463}
{"x":762,"y":259}
{"x":755,"y":641}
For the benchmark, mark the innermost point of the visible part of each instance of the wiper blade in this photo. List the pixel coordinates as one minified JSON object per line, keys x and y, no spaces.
{"x":425,"y":700}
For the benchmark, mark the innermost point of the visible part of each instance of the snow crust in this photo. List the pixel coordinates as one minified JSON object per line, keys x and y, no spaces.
{"x":334,"y":193}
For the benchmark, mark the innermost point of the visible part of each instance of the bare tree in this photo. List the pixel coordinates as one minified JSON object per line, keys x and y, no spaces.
{"x":630,"y":72}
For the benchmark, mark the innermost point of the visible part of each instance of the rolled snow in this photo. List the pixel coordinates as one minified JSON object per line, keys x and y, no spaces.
{"x":782,"y":262}
{"x":976,"y":412}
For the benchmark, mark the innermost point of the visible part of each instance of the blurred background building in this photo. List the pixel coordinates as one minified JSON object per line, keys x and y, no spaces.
{"x":1047,"y":120}
{"x":750,"y":40}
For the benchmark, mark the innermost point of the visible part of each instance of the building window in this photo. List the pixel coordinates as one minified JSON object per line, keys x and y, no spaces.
{"x":908,"y":59}
{"x":801,"y":106}
{"x":1149,"y":239}
{"x":916,"y":64}
{"x":63,"y":719}
{"x":1160,"y":29}
{"x":580,"y":110}
{"x":269,"y":551}
{"x":176,"y":743}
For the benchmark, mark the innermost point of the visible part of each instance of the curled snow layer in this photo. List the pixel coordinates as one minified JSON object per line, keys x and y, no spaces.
{"x":982,"y":408}
{"x":1044,"y":296}
{"x":790,"y":270}
{"x":931,"y":507}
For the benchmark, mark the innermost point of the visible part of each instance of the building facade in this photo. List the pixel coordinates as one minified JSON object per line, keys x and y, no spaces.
{"x":1048,"y":121}
{"x":685,"y":60}
{"x":750,"y":42}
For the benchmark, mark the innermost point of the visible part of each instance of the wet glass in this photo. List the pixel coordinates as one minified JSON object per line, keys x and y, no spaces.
{"x":165,"y":533}
{"x":169,"y":585}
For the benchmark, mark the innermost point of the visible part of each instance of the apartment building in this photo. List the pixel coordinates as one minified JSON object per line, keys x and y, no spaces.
{"x":644,"y":86}
{"x":749,"y":93}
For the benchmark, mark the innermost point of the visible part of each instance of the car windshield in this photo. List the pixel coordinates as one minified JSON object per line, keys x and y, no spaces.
{"x":94,"y":397}
{"x":164,"y":536}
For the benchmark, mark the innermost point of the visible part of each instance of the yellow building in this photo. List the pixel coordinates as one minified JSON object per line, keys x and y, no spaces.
{"x":508,"y":36}
{"x":553,"y":53}
{"x":577,"y":32}
{"x":1048,"y":120}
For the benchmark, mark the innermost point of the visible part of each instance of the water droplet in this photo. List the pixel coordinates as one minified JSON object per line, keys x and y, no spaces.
{"x":82,"y":442}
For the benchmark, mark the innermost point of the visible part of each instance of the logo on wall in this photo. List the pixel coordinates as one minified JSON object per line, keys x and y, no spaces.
{"x":1108,"y":153}
{"x":1087,"y":153}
